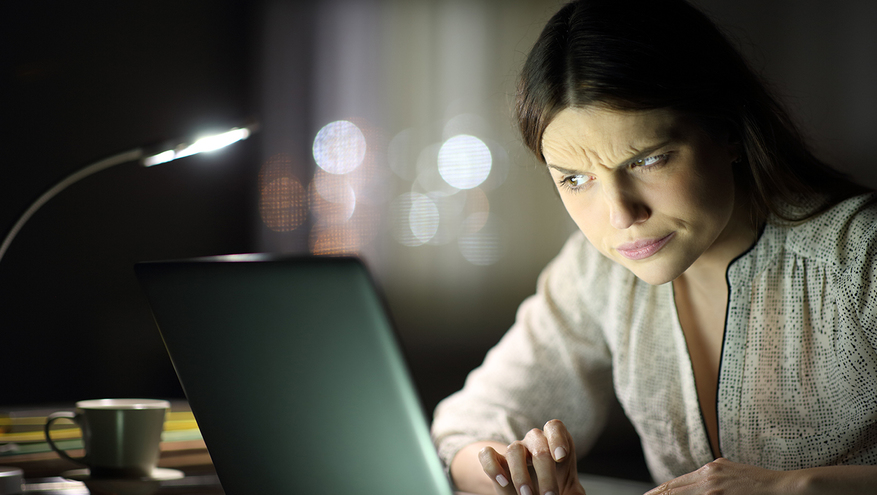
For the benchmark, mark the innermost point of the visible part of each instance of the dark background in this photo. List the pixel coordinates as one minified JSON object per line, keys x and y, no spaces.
{"x":82,"y":81}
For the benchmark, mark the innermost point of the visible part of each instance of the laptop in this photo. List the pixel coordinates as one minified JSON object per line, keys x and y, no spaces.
{"x":294,"y":374}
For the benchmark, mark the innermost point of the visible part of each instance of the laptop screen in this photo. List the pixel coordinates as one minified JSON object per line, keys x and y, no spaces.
{"x":294,"y":375}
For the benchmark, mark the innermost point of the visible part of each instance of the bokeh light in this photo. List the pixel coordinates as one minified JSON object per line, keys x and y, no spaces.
{"x":423,"y":218}
{"x":351,"y":187}
{"x":339,"y":147}
{"x":331,"y":197}
{"x":450,"y":208}
{"x":415,"y":219}
{"x":334,"y":239}
{"x":429,"y":178}
{"x":499,"y":168}
{"x":481,"y":246}
{"x":283,"y":201}
{"x":464,"y":161}
{"x":283,"y":204}
{"x":373,"y":181}
{"x":445,"y":184}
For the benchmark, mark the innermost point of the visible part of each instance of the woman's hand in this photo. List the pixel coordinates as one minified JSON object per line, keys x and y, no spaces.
{"x":728,"y":478}
{"x":551,"y":454}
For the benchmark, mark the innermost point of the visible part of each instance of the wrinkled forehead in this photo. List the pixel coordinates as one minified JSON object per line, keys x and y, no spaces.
{"x":595,"y":134}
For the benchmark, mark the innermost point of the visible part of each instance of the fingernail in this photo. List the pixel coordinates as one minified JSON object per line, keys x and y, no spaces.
{"x":501,"y":480}
{"x":525,"y":490}
{"x":549,"y":493}
{"x":559,"y":453}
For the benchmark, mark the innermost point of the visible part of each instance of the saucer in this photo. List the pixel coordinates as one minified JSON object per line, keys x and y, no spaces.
{"x":123,"y":486}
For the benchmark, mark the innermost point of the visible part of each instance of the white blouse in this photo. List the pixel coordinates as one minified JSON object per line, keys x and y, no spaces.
{"x":798,"y":375}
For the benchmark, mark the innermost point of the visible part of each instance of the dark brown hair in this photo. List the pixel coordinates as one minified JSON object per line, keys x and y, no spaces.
{"x":647,"y":54}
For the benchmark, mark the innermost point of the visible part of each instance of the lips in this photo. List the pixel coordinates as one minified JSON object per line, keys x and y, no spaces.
{"x":643,"y":248}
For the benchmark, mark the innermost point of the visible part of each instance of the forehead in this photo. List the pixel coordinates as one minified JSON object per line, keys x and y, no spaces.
{"x":601,"y":133}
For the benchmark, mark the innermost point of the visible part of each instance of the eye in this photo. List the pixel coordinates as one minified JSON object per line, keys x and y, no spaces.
{"x":574,"y":182}
{"x":650,"y":161}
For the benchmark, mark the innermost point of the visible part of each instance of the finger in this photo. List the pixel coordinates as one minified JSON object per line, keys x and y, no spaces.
{"x":559,"y":439}
{"x":495,"y":466}
{"x":543,"y":463}
{"x":567,"y":473}
{"x":516,"y":458}
{"x":571,"y":456}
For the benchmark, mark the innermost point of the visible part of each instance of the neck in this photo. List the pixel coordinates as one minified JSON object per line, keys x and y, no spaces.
{"x":740,"y":234}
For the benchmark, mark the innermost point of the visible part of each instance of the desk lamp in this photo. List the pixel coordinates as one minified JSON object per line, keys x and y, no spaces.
{"x":148,"y":157}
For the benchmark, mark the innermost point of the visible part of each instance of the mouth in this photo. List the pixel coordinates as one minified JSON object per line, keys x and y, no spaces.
{"x":643,"y":248}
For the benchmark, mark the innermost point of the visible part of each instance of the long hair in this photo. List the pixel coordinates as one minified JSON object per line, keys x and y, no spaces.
{"x":647,"y":54}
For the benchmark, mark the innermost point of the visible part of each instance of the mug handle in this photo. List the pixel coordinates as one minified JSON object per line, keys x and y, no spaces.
{"x":49,"y":420}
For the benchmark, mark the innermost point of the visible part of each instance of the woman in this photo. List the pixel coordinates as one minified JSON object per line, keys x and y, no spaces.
{"x":721,"y":284}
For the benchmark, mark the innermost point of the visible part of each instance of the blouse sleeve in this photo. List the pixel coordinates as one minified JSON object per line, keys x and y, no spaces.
{"x":858,"y":287}
{"x":552,"y":364}
{"x":845,"y":239}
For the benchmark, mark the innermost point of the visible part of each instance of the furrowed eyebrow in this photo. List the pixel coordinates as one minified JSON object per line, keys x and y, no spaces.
{"x":642,"y":154}
{"x":565,"y":171}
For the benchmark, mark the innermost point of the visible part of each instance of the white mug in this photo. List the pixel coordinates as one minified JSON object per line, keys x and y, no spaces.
{"x":121,"y":436}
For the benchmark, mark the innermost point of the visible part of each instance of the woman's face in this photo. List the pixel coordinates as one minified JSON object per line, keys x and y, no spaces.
{"x":649,"y":189}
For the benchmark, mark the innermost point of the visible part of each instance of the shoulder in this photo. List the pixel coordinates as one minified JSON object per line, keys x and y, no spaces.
{"x":581,"y":284}
{"x":842,"y":236}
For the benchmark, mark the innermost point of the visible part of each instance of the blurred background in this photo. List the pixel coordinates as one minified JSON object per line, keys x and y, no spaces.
{"x":385,"y":131}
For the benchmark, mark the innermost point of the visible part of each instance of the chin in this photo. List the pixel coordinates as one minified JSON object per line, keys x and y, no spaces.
{"x":654,"y":279}
{"x":655,"y":275}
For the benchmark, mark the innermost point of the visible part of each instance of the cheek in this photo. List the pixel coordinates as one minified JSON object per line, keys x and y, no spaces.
{"x":578,"y":209}
{"x":591,"y":217}
{"x":716,"y":192}
{"x":703,"y":193}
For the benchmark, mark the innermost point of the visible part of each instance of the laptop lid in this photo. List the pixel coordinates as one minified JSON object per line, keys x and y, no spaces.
{"x":294,"y":375}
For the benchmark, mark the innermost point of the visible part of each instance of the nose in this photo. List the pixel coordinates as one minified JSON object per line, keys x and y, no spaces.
{"x":626,"y":207}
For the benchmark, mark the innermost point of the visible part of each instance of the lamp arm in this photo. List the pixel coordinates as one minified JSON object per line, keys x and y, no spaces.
{"x":94,"y":168}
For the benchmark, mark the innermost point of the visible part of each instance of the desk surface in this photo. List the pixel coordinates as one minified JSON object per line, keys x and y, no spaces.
{"x":193,"y":459}
{"x":208,"y":484}
{"x":602,"y":485}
